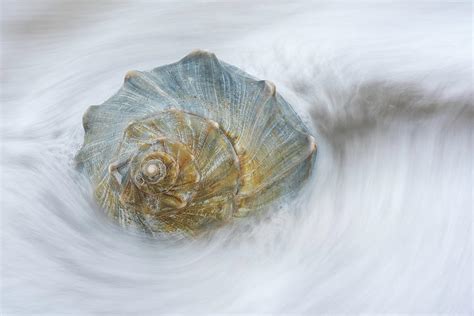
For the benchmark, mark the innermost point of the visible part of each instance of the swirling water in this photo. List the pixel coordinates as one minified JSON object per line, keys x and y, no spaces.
{"x":385,"y":225}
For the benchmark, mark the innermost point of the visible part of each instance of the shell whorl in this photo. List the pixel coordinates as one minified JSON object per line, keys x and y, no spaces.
{"x":192,"y":144}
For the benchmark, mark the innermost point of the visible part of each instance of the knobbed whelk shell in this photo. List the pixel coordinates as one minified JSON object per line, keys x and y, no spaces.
{"x":192,"y":144}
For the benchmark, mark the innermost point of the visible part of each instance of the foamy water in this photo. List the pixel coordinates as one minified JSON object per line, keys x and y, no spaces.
{"x":385,"y":225}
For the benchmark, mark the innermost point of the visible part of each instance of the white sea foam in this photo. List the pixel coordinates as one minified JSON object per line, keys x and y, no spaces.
{"x":384,"y":226}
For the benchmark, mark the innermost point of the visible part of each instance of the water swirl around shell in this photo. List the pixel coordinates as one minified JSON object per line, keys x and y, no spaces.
{"x":191,"y":145}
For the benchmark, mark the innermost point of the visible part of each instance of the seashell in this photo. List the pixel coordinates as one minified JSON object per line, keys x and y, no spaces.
{"x":191,"y":145}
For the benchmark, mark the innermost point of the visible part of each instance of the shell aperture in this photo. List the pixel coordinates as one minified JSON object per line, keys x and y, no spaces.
{"x":190,"y":145}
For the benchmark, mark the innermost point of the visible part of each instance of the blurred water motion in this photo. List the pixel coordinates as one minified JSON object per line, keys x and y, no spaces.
{"x":385,"y":226}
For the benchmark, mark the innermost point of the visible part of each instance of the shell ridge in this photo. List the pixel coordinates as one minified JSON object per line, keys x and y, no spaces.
{"x":250,"y":132}
{"x":295,"y":161}
{"x":140,"y":81}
